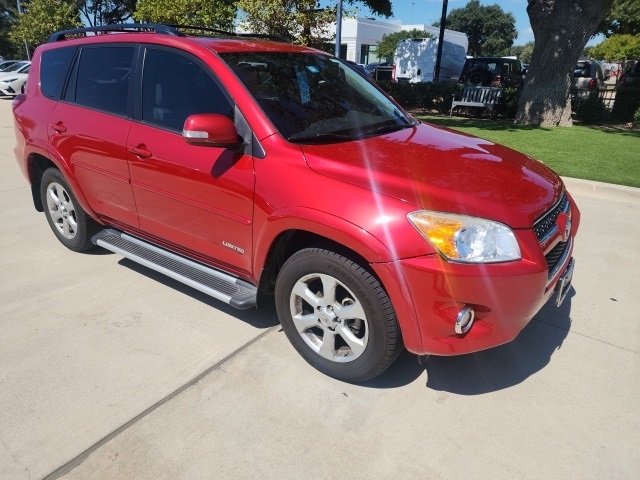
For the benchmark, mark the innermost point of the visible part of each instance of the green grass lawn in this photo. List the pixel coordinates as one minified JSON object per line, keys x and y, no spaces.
{"x":604,"y":154}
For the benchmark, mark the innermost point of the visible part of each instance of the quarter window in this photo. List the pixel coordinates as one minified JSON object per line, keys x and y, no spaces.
{"x":54,"y":67}
{"x":174,"y":86}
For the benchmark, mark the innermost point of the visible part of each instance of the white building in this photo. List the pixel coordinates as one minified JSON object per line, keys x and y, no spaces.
{"x":361,"y":35}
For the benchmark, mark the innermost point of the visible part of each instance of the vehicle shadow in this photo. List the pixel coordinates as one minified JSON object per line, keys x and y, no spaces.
{"x":262,"y":319}
{"x":490,"y":370}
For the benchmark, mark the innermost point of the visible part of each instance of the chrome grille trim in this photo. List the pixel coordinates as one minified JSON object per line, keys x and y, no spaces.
{"x":555,"y":268}
{"x":545,"y":226}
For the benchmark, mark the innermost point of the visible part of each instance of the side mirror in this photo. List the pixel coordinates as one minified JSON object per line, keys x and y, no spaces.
{"x":210,"y":130}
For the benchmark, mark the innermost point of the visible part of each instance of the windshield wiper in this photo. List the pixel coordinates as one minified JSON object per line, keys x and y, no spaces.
{"x":318,"y":137}
{"x":387,"y":128}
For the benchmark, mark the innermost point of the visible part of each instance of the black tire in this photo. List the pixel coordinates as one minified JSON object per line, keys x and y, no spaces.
{"x":355,"y":336}
{"x":481,"y":77}
{"x":70,"y":224}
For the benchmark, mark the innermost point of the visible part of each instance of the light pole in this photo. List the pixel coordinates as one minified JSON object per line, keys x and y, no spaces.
{"x":443,"y":20}
{"x":338,"y":29}
{"x":26,"y":47}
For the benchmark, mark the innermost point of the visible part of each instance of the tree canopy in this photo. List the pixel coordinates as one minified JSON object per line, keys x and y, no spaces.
{"x":303,"y":21}
{"x":104,"y":12}
{"x":618,"y":47}
{"x":201,"y":13}
{"x":523,"y":52}
{"x":489,"y":29}
{"x":623,"y":19}
{"x":42,"y":18}
{"x":297,"y":20}
{"x":387,"y":46}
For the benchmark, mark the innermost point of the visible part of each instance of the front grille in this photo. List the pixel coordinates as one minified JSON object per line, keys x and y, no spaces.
{"x":547,"y":222}
{"x":554,"y":255}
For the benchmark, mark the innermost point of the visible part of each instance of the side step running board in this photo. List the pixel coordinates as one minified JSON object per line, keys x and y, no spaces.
{"x":212,"y":282}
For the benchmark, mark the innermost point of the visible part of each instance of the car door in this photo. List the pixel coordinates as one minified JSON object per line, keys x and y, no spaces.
{"x":89,"y":126}
{"x":198,"y":198}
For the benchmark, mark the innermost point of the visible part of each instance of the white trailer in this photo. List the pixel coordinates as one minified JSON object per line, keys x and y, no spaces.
{"x":415,"y":60}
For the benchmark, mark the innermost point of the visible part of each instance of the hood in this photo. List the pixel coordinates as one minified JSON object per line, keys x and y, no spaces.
{"x":439,"y":169}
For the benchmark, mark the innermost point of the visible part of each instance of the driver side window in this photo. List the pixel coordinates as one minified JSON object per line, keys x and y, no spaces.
{"x":174,"y":87}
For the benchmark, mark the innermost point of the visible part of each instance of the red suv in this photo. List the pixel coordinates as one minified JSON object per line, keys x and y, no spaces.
{"x":258,"y":171}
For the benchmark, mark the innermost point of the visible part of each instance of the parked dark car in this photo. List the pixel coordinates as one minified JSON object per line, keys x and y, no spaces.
{"x":380,"y":71}
{"x":631,"y":77}
{"x":492,"y":71}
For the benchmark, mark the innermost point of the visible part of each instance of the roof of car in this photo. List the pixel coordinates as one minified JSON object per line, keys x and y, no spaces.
{"x":217,"y":40}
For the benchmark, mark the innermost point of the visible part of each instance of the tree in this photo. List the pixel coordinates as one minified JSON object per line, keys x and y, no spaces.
{"x":523,"y":52}
{"x":42,"y":18}
{"x":387,"y":46}
{"x":297,"y":20}
{"x":618,"y":47}
{"x":305,"y":21}
{"x":104,"y":12}
{"x":490,"y":30}
{"x":561,"y":29}
{"x":623,"y":19}
{"x":201,"y":13}
{"x":8,"y":15}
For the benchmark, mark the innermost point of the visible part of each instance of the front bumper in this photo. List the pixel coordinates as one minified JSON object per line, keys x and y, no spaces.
{"x":429,"y":292}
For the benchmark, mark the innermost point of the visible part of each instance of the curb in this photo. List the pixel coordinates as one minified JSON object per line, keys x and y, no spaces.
{"x":604,"y":190}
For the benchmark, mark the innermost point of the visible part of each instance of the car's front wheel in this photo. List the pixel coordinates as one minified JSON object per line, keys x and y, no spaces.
{"x":73,"y":227}
{"x":337,"y":315}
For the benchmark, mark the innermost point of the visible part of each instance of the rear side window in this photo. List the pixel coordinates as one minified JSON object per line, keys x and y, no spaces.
{"x":53,"y":70}
{"x":174,"y":86}
{"x":102,"y":78}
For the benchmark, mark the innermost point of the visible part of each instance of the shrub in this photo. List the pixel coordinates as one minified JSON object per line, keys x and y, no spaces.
{"x":509,"y":105}
{"x":636,"y":118}
{"x":592,"y":110}
{"x":427,"y":95}
{"x":626,"y":104}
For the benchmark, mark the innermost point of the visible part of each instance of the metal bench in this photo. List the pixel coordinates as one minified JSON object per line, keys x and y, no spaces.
{"x":484,"y":97}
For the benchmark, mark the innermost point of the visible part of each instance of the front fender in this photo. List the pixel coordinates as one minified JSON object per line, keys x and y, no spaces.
{"x":320,"y":223}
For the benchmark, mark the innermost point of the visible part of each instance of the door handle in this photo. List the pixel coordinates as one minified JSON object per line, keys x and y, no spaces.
{"x":58,"y":127}
{"x":140,"y":151}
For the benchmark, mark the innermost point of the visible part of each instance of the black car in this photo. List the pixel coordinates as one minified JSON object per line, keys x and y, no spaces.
{"x":492,"y":71}
{"x":631,"y":77}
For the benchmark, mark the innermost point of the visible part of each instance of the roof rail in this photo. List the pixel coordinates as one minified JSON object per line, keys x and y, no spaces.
{"x":152,"y":28}
{"x":232,"y":34}
{"x":122,"y":28}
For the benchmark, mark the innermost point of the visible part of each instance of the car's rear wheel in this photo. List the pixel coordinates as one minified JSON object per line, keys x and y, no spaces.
{"x":73,"y":227}
{"x":337,"y":315}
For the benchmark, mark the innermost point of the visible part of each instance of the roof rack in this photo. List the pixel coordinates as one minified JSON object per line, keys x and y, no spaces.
{"x":231,"y":34}
{"x":174,"y":30}
{"x":122,"y":28}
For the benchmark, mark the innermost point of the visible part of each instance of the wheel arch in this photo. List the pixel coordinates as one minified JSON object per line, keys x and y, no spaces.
{"x":37,"y":164}
{"x":301,"y":228}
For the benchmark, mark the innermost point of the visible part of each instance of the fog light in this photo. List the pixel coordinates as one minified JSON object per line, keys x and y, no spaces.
{"x":465,"y":320}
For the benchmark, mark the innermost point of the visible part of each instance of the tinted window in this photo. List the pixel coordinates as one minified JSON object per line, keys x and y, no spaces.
{"x":53,"y":70}
{"x":174,"y":87}
{"x":103,"y":78}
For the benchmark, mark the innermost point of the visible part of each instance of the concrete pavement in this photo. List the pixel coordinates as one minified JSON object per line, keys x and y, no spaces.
{"x":108,"y":371}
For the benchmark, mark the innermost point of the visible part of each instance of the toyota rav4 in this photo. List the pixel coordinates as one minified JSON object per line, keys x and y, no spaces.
{"x":257,"y":171}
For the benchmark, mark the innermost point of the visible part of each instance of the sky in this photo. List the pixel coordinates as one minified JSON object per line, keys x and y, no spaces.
{"x":430,"y":11}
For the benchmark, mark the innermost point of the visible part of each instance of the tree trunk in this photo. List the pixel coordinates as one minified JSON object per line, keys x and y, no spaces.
{"x":561,"y":29}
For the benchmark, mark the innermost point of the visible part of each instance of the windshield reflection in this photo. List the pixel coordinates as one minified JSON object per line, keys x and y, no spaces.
{"x":314,"y":98}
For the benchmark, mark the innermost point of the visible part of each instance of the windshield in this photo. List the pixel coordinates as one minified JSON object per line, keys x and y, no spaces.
{"x":14,"y":67}
{"x":316,"y":98}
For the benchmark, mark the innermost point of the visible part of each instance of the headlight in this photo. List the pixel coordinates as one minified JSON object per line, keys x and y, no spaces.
{"x":9,"y":80}
{"x":467,"y":239}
